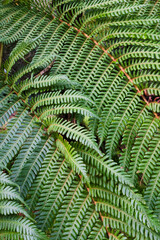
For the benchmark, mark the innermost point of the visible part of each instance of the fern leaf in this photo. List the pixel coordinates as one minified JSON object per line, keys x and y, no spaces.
{"x":44,"y":82}
{"x":150,"y":159}
{"x":51,"y":158}
{"x":151,"y":124}
{"x":25,"y":153}
{"x":67,"y":108}
{"x":19,"y":52}
{"x":50,"y":208}
{"x":106,"y":167}
{"x":72,"y":131}
{"x":19,"y":227}
{"x":77,"y":213}
{"x":71,"y":155}
{"x":57,"y":98}
{"x":31,"y":168}
{"x":12,"y":226}
{"x":109,"y":51}
{"x":64,"y":213}
{"x":130,"y":134}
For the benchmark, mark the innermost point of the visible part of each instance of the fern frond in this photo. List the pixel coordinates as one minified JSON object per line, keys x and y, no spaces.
{"x":109,"y":112}
{"x":119,"y":210}
{"x":9,"y":193}
{"x":49,"y":162}
{"x":4,"y":180}
{"x":72,"y":131}
{"x":9,"y":207}
{"x":19,"y":52}
{"x":154,"y":107}
{"x":12,"y":226}
{"x":32,"y":166}
{"x":15,"y":27}
{"x":65,"y":109}
{"x":63,"y":214}
{"x":130,"y":134}
{"x":77,"y":214}
{"x":72,"y":157}
{"x":57,"y":98}
{"x":10,"y":108}
{"x":111,"y":49}
{"x":120,"y":121}
{"x":103,"y":165}
{"x":88,"y":223}
{"x":16,"y":142}
{"x":44,"y":82}
{"x":12,"y":127}
{"x":99,"y":232}
{"x":150,"y":159}
{"x":30,"y":67}
{"x":151,"y":193}
{"x":148,"y":129}
{"x":49,"y":208}
{"x":24,"y":155}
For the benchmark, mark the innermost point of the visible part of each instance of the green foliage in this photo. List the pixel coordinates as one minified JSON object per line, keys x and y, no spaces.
{"x":92,"y":63}
{"x":15,"y":222}
{"x":53,"y":191}
{"x":70,"y":154}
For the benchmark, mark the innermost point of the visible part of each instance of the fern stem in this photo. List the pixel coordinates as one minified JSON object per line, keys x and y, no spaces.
{"x":45,"y":69}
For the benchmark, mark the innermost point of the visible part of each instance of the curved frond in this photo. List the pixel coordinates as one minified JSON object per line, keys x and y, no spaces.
{"x":72,"y":131}
{"x":72,"y":157}
{"x":92,"y":63}
{"x":13,"y":226}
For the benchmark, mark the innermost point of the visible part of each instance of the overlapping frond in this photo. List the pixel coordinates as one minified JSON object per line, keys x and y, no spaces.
{"x":56,"y":196}
{"x":116,"y":214}
{"x":99,"y":59}
{"x":47,"y":184}
{"x":73,"y":158}
{"x":103,"y":166}
{"x":13,"y":226}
